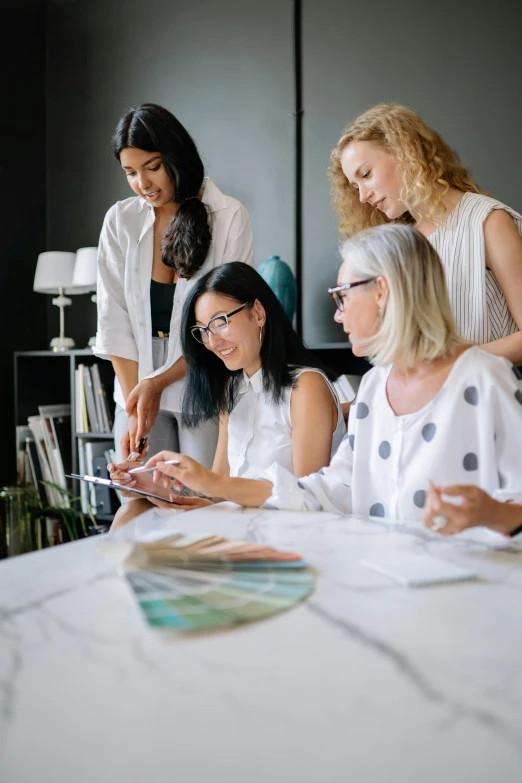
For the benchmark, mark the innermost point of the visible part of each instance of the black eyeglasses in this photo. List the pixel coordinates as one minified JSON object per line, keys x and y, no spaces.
{"x":336,"y":291}
{"x":219,"y":326}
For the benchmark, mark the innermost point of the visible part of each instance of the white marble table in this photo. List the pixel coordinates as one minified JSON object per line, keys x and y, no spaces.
{"x":366,"y":681}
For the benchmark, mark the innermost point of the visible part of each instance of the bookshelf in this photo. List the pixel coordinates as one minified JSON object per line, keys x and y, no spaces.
{"x":48,"y":378}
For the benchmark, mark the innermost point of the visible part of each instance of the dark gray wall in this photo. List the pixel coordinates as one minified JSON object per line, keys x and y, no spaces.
{"x":458,"y":64}
{"x":224,"y":68}
{"x":22,"y":199}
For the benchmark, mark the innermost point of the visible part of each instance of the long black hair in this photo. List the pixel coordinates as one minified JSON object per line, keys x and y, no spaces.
{"x":154,"y":129}
{"x":211,"y":388}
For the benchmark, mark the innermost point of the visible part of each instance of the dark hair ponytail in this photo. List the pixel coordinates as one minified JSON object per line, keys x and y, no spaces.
{"x":187,"y":238}
{"x":154,"y":129}
{"x":210,"y":388}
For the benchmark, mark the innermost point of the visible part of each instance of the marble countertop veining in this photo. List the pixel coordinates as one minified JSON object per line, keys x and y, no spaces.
{"x":366,"y":680}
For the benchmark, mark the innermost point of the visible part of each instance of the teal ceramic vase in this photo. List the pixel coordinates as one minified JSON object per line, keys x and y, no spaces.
{"x":280,"y":278}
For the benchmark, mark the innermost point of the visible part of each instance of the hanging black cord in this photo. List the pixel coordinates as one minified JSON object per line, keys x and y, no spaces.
{"x":298,"y":178}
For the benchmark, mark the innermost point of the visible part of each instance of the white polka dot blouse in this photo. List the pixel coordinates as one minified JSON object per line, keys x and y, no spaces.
{"x":469,"y":433}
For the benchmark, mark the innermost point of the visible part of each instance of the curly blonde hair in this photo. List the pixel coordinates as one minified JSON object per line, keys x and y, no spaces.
{"x":427,"y":160}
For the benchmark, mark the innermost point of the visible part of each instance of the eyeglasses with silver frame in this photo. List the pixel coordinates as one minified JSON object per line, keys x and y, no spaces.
{"x":219,"y":326}
{"x":335,"y":292}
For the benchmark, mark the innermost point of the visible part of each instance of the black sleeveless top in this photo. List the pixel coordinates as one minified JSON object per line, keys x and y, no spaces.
{"x":161,"y":303}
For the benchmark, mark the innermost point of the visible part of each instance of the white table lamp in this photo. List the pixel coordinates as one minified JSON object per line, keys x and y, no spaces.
{"x":54,"y":273}
{"x":86,"y":268}
{"x":86,"y":272}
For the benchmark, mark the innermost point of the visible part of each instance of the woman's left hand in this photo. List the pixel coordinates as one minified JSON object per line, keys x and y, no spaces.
{"x":144,"y":401}
{"x":476,"y":508}
{"x":188,"y":473}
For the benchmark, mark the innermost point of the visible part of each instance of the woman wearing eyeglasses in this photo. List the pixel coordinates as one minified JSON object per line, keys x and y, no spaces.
{"x":247,"y":366}
{"x":433,"y":409}
{"x":153,"y":247}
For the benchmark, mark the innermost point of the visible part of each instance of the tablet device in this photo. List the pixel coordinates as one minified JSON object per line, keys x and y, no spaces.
{"x":120,"y":487}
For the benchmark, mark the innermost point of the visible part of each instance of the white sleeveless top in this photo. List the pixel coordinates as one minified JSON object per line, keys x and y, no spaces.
{"x":260,"y":432}
{"x":479,"y":306}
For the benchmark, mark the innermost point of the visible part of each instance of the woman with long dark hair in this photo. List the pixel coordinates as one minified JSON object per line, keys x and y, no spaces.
{"x":247,"y":366}
{"x":153,"y":248}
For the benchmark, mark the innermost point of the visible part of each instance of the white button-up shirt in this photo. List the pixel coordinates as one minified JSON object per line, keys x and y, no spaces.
{"x":469,"y":433}
{"x":124,"y":273}
{"x":260,"y":431}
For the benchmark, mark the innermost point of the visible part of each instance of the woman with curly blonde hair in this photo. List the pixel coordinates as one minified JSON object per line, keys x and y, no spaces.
{"x":389,"y":166}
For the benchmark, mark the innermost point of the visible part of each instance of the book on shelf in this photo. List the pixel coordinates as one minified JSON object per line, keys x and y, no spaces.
{"x":57,"y":420}
{"x":51,"y":449}
{"x":94,"y":456}
{"x":84,"y":489}
{"x":110,"y":455}
{"x":23,"y":465}
{"x":92,"y":408}
{"x":23,"y":431}
{"x":78,"y":399}
{"x":89,"y":398}
{"x":37,"y":427}
{"x":48,"y":531}
{"x":36,"y":470}
{"x":102,"y":406}
{"x":102,"y":496}
{"x":24,"y":473}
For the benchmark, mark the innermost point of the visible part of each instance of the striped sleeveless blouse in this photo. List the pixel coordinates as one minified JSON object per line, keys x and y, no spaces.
{"x":479,"y":306}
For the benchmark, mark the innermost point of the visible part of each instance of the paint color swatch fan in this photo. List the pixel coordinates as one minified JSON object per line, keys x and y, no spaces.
{"x":195,"y":582}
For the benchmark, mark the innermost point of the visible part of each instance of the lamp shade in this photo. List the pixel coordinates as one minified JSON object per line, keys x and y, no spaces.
{"x":54,"y":270}
{"x":86,"y":268}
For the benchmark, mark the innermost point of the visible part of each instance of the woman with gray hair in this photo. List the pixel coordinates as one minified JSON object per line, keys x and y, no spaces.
{"x":434,"y":408}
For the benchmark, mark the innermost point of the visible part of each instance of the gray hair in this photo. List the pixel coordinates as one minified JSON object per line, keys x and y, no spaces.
{"x":417,"y":323}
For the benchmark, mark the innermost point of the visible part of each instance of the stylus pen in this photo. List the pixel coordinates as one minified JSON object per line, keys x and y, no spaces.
{"x":149,"y":470}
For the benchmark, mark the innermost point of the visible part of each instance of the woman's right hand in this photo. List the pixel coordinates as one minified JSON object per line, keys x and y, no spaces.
{"x":476,"y":508}
{"x":187,"y":473}
{"x":143,"y":403}
{"x":129,"y":438}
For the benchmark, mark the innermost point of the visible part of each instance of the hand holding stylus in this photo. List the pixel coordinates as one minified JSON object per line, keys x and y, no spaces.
{"x":145,"y":469}
{"x":186,"y":472}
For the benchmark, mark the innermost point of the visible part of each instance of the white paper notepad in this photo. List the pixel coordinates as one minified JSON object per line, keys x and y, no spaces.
{"x":417,"y":570}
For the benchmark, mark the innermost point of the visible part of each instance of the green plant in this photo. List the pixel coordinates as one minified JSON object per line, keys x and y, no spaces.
{"x":68,"y":515}
{"x":24,"y":519}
